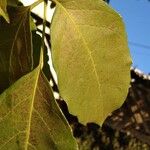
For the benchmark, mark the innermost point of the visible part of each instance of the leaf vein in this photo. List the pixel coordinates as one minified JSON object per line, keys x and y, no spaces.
{"x":86,"y":45}
{"x":11,"y":138}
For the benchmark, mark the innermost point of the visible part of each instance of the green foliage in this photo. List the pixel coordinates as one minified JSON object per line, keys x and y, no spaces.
{"x":91,"y":58}
{"x":15,"y":47}
{"x":30,"y":117}
{"x":92,"y":62}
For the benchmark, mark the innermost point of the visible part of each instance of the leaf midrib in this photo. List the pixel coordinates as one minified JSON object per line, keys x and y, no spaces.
{"x":31,"y":110}
{"x":85,"y":43}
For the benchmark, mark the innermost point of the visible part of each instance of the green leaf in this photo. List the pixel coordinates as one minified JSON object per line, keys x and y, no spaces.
{"x":91,"y":57}
{"x":3,"y":11}
{"x":32,"y":24}
{"x":30,"y":117}
{"x":15,"y":46}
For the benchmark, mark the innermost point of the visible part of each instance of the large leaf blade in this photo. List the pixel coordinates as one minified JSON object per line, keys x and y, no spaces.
{"x":91,"y":58}
{"x":30,"y":117}
{"x":15,"y":46}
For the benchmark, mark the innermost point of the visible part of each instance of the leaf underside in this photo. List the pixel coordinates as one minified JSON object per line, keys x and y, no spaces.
{"x":15,"y":47}
{"x":30,"y":118}
{"x":91,"y":58}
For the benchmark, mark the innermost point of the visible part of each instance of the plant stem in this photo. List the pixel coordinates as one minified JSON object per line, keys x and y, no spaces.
{"x":36,"y":3}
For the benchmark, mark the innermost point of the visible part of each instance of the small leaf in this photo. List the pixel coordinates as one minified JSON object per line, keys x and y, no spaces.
{"x":15,"y":46}
{"x":30,"y":117}
{"x":32,"y":24}
{"x":91,"y":57}
{"x":3,"y":11}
